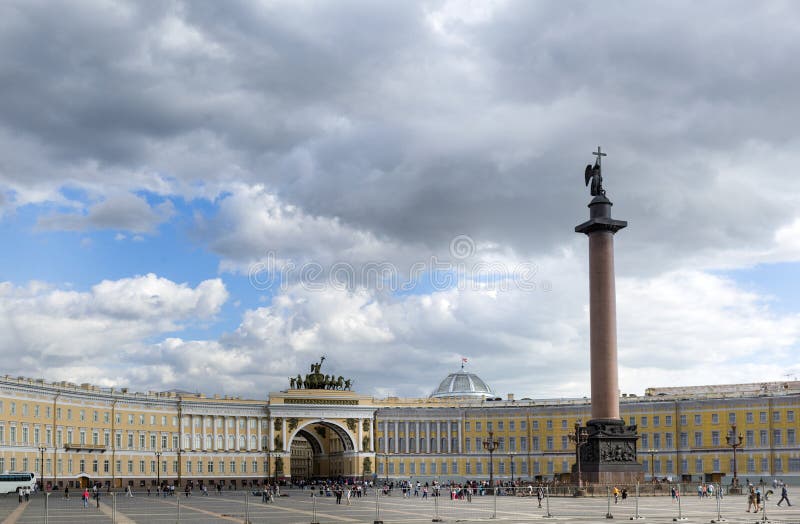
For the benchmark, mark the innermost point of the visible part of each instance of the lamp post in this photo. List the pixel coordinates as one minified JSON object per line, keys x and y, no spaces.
{"x":158,"y":469}
{"x":579,"y":437}
{"x":511,"y":463}
{"x":386,"y":466}
{"x":734,"y":441}
{"x":652,"y":464}
{"x":490,"y":444}
{"x":42,"y":449}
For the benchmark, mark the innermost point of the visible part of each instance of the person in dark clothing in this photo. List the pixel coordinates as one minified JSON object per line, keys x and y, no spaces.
{"x":784,"y":496}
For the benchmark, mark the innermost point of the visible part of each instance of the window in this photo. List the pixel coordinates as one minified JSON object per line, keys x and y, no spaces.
{"x":749,"y":438}
{"x":715,"y":419}
{"x":790,"y":437}
{"x":656,"y":421}
{"x":644,"y":421}
{"x":764,"y":464}
{"x":563,"y":424}
{"x":466,"y":426}
{"x":698,"y":439}
{"x":535,"y":424}
{"x":778,"y":465}
{"x":668,"y":440}
{"x":697,"y":420}
{"x":499,"y":428}
{"x":667,"y":420}
{"x":749,"y":417}
{"x":549,"y":424}
{"x":776,"y":437}
{"x":632,"y":421}
{"x":683,"y":420}
{"x":657,"y":440}
{"x":715,"y":464}
{"x":762,"y":417}
{"x":511,"y":425}
{"x":790,"y":416}
{"x":715,"y":441}
{"x":523,"y":425}
{"x":512,"y":444}
{"x":684,"y":440}
{"x":477,"y":425}
{"x":489,"y":426}
{"x":698,"y":465}
{"x":776,"y":416}
{"x":141,"y":467}
{"x":645,"y":440}
{"x":523,"y":443}
{"x":731,"y":418}
{"x":549,"y":443}
{"x":564,"y":442}
{"x":763,"y":437}
{"x":684,"y":466}
{"x":535,"y":444}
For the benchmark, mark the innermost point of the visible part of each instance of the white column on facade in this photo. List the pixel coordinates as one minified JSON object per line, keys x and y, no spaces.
{"x":225,"y":433}
{"x":360,"y":432}
{"x":416,"y":435}
{"x":236,"y":430}
{"x":371,"y":435}
{"x":259,"y":421}
{"x":214,"y":432}
{"x":247,"y":433}
{"x":396,"y":436}
{"x":191,"y":423}
{"x":427,"y":436}
{"x":459,"y":436}
{"x":284,"y":435}
{"x":271,"y":442}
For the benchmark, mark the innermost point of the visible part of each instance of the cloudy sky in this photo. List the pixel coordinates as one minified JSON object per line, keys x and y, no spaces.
{"x":210,"y":195}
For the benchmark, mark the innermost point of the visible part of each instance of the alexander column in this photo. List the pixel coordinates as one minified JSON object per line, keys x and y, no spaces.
{"x":609,"y":455}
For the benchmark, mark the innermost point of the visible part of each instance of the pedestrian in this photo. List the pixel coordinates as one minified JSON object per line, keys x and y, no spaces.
{"x":624,"y":494}
{"x":539,"y":495}
{"x":348,"y":496}
{"x":66,"y":492}
{"x":784,"y":496}
{"x":751,"y":500}
{"x":85,"y":498}
{"x":616,"y":494}
{"x":97,"y":498}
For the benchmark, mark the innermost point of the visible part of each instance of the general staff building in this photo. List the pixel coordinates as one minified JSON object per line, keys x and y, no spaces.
{"x":75,"y":435}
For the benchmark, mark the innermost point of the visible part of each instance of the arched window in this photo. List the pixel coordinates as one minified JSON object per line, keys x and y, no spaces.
{"x":253,"y":441}
{"x":219,"y":442}
{"x":209,"y":441}
{"x":241,"y":442}
{"x":231,"y":441}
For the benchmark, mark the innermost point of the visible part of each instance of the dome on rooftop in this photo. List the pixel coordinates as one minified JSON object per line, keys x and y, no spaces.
{"x":462,"y":384}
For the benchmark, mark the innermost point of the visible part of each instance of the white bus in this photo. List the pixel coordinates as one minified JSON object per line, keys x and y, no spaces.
{"x":13,"y":482}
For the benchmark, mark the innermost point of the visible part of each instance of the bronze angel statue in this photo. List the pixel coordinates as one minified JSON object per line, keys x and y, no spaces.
{"x":593,"y":174}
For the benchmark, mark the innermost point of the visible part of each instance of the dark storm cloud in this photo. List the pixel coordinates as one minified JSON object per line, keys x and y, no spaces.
{"x":417,"y":122}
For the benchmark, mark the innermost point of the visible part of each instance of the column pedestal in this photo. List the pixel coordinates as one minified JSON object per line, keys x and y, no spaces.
{"x":609,"y":454}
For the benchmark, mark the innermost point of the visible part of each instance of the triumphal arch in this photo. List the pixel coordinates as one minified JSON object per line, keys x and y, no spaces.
{"x":320,"y":428}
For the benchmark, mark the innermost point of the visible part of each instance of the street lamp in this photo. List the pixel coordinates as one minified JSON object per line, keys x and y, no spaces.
{"x":386,"y":467}
{"x":158,"y":469}
{"x":42,"y":449}
{"x":652,"y":464}
{"x":579,"y":437}
{"x":734,"y":441}
{"x":490,"y":444}
{"x":511,"y":461}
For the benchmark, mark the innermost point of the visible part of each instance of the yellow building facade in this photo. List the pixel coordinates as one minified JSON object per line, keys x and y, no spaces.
{"x":74,"y":435}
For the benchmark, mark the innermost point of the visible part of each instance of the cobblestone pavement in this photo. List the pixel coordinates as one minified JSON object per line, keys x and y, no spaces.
{"x":300,"y":507}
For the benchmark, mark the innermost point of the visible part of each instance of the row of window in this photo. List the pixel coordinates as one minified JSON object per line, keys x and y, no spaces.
{"x":131,"y":417}
{"x":644,"y":421}
{"x":550,"y":466}
{"x":191,"y":466}
{"x":22,"y":437}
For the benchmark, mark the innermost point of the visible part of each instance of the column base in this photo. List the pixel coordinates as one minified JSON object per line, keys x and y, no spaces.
{"x":609,"y":455}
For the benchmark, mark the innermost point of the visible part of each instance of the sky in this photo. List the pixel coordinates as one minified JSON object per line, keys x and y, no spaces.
{"x":209,"y":196}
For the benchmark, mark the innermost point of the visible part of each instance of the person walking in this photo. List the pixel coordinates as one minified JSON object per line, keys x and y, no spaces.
{"x":784,"y":496}
{"x":85,"y":498}
{"x":97,"y":498}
